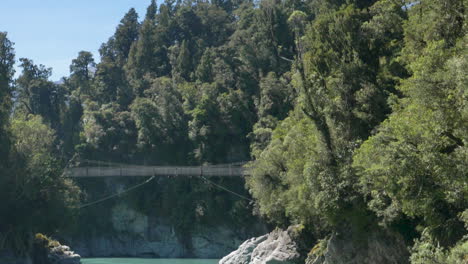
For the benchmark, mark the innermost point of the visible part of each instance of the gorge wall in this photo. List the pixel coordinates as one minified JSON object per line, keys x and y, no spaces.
{"x":167,"y":218}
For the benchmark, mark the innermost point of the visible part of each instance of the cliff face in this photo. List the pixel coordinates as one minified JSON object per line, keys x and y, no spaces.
{"x":10,"y":258}
{"x":139,"y":235}
{"x":154,"y":222}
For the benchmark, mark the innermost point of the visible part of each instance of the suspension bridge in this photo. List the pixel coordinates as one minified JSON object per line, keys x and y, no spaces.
{"x":108,"y":169}
{"x":90,"y":168}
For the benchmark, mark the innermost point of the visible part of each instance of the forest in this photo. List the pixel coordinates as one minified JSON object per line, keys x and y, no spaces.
{"x":351,"y":113}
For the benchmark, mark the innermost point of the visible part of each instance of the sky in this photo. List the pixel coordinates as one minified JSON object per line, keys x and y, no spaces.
{"x":52,"y":32}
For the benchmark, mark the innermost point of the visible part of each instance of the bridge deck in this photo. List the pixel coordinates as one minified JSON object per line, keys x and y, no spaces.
{"x":139,"y":171}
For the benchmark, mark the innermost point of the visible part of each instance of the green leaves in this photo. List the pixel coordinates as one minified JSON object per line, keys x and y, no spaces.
{"x":415,"y":164}
{"x":32,"y":184}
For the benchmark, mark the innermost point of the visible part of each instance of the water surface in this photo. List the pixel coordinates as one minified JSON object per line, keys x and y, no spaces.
{"x":146,"y":261}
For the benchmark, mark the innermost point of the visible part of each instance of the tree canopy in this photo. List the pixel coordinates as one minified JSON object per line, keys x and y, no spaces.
{"x":351,"y":112}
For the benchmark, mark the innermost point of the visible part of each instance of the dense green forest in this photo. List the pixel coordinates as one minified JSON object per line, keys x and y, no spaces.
{"x":353,"y":112}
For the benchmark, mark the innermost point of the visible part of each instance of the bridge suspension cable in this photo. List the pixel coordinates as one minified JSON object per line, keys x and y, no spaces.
{"x":116,"y":194}
{"x":150,"y":179}
{"x":227,"y":190}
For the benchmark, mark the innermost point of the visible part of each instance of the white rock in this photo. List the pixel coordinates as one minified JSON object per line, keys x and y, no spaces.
{"x":276,"y":247}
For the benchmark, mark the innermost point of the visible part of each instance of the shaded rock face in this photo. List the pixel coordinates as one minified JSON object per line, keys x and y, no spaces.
{"x":277,"y":247}
{"x":139,"y":225}
{"x":8,"y":258}
{"x":161,"y":241}
{"x":139,"y":235}
{"x":376,"y":247}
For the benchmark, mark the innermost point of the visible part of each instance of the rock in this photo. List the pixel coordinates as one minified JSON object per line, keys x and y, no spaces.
{"x":243,"y":254}
{"x":50,"y":251}
{"x":63,"y":255}
{"x":277,"y":247}
{"x":377,"y":246}
{"x":159,"y":239}
{"x":214,"y":242}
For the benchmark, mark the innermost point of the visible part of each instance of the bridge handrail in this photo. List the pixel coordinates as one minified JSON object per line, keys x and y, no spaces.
{"x":210,"y":170}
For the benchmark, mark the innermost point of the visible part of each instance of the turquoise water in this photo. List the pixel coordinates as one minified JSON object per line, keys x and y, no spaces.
{"x":146,"y":261}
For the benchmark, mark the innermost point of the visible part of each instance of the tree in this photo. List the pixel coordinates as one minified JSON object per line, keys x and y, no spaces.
{"x":183,"y":66}
{"x":37,"y":95}
{"x":148,"y":56}
{"x":162,"y":124}
{"x":415,"y":165}
{"x":107,"y":132}
{"x":34,"y":184}
{"x":151,"y":11}
{"x":81,"y":72}
{"x":125,"y":35}
{"x":343,"y":81}
{"x":276,"y":100}
{"x":7,"y":60}
{"x":111,"y":84}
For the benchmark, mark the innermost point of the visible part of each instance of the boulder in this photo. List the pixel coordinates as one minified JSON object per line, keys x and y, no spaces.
{"x":277,"y":247}
{"x":243,"y":254}
{"x":49,"y":251}
{"x":63,"y":255}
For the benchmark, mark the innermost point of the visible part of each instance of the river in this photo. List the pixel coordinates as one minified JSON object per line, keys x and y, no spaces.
{"x":146,"y":261}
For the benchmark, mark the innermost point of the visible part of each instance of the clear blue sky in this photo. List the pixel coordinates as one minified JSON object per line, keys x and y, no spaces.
{"x":52,"y":32}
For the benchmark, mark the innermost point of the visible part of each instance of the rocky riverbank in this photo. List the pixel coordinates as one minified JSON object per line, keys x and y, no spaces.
{"x":44,"y":250}
{"x":49,"y":251}
{"x":290,"y":247}
{"x":279,"y":246}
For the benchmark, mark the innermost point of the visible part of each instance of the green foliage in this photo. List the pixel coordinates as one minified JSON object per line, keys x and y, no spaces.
{"x":118,"y":46}
{"x":416,"y":163}
{"x":276,"y":100}
{"x":108,"y":132}
{"x":33,"y":185}
{"x":37,"y":95}
{"x":7,"y":71}
{"x":353,"y":111}
{"x":45,"y":241}
{"x":289,"y":175}
{"x":161,"y":123}
{"x":425,"y":251}
{"x":343,"y":77}
{"x":6,"y":76}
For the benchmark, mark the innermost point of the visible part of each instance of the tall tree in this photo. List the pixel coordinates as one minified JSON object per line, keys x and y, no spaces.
{"x":151,"y":11}
{"x":37,"y":95}
{"x":81,"y":73}
{"x":125,"y":35}
{"x":148,"y":55}
{"x":7,"y":60}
